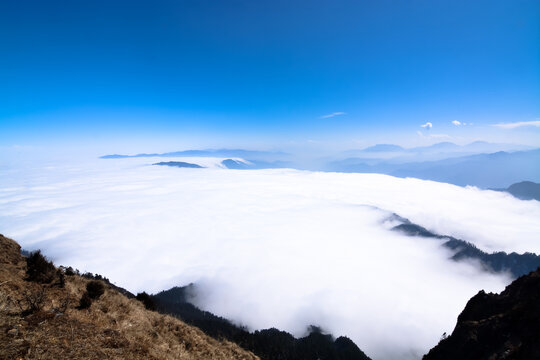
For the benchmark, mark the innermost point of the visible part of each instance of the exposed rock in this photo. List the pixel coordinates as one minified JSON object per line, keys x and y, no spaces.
{"x":492,"y":326}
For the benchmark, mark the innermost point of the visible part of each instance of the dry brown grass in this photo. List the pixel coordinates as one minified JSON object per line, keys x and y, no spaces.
{"x":114,"y":327}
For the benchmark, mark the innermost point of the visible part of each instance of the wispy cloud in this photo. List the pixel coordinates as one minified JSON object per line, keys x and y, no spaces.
{"x":427,"y":125}
{"x":457,"y":123}
{"x":333,"y":114}
{"x":535,"y":123}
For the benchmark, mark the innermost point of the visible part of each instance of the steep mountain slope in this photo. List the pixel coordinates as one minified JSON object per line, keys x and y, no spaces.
{"x":268,"y":343}
{"x":492,"y":326}
{"x":43,"y":315}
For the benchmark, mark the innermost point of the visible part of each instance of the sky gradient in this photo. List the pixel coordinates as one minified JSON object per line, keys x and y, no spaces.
{"x":168,"y":75}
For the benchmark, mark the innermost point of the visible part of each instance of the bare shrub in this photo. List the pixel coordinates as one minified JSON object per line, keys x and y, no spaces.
{"x":70,"y":272}
{"x":147,"y":301}
{"x":39,"y":269}
{"x":95,"y":289}
{"x":31,"y":301}
{"x":61,"y":278}
{"x":85,"y":301}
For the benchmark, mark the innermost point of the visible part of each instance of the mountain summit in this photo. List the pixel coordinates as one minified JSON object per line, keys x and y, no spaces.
{"x":497,"y":326}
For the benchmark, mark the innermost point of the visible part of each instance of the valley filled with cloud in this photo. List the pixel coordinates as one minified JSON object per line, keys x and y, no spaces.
{"x":273,"y":248}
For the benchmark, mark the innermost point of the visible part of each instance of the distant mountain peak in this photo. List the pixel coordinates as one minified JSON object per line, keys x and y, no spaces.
{"x":525,"y":190}
{"x":207,"y":153}
{"x":179,"y":164}
{"x":384,"y":148}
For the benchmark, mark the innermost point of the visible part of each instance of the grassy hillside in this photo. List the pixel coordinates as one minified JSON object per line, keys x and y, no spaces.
{"x":42,"y":317}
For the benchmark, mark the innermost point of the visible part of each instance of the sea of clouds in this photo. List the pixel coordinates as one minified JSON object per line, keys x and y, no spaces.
{"x":272,"y":248}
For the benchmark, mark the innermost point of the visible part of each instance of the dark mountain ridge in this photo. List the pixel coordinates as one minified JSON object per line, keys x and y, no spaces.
{"x":497,"y":326}
{"x":524,"y":190}
{"x":267,"y":344}
{"x":514,"y":263}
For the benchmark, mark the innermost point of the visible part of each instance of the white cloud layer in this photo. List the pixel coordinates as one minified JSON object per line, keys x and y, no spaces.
{"x":455,"y":122}
{"x":281,"y":248}
{"x":514,"y":125}
{"x":427,"y":125}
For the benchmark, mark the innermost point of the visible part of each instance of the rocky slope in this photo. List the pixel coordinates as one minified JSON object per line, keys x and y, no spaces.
{"x":497,"y":326}
{"x":43,"y":315}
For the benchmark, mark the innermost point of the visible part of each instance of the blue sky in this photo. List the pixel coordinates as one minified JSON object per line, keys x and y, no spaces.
{"x":174,"y":74}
